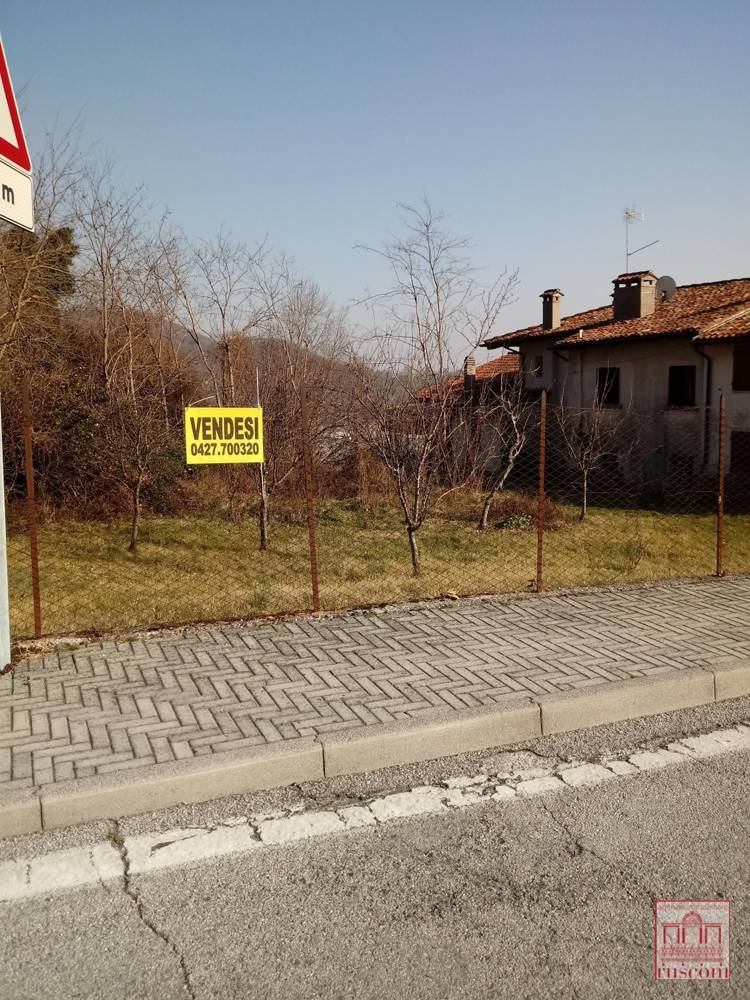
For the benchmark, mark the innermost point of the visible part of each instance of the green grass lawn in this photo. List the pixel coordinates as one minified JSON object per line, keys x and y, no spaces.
{"x":206,"y":568}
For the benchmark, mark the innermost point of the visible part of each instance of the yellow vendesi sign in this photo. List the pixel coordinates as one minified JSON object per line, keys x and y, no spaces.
{"x":215,"y":435}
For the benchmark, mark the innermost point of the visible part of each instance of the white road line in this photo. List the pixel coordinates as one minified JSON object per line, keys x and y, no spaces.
{"x":58,"y":871}
{"x":547,"y":785}
{"x":586,"y":774}
{"x":300,"y":827}
{"x":151,"y":852}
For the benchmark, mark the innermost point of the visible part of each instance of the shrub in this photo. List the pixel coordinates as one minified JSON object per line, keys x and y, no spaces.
{"x":516,"y":522}
{"x":524,"y":505}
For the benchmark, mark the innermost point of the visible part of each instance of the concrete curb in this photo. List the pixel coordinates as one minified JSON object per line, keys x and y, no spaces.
{"x":157,"y":786}
{"x":438,"y":734}
{"x":20,"y":812}
{"x":630,"y":699}
{"x":731,"y":680}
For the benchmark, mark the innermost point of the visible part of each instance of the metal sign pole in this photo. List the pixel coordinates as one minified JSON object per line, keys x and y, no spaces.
{"x":309,"y":496}
{"x":541,"y":493}
{"x":4,"y":607}
{"x":31,"y":518}
{"x":720,"y":497}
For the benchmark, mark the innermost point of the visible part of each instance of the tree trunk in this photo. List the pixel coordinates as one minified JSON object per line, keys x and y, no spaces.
{"x":234,"y":490}
{"x":230,"y":371}
{"x":164,"y":400}
{"x":489,"y":497}
{"x":363,"y":492}
{"x":262,"y":489}
{"x":136,"y":513}
{"x":263,"y":517}
{"x":414,"y":548}
{"x":585,"y":497}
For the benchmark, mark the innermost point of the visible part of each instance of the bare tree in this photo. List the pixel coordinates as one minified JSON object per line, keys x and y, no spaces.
{"x":110,"y":227}
{"x":506,"y":419}
{"x":134,"y":434}
{"x":590,"y":436}
{"x":216,"y":299}
{"x":301,"y":343}
{"x":139,"y":410}
{"x":405,"y":410}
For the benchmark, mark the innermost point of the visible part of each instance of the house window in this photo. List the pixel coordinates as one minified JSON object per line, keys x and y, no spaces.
{"x":741,"y":368}
{"x":681,"y":385}
{"x":740,"y":456}
{"x":537,"y":369}
{"x":608,"y":386}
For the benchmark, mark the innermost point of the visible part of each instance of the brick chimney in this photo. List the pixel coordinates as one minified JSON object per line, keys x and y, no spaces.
{"x":470,"y":376}
{"x":634,"y":295}
{"x":551,"y":308}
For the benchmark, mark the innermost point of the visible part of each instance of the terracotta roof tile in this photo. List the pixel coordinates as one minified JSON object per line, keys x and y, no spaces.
{"x":506,"y":364}
{"x":715,"y":310}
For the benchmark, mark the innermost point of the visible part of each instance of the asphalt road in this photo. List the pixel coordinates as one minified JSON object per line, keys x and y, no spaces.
{"x":549,"y":897}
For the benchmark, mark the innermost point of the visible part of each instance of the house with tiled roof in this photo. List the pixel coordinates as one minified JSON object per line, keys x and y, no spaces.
{"x":668,"y":352}
{"x":492,"y":374}
{"x":476,"y":379}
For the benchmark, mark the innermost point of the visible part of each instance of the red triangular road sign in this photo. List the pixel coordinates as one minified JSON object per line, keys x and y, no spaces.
{"x":13,"y":146}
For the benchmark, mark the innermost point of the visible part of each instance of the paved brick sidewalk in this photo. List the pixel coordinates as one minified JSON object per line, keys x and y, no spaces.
{"x":113,"y":705}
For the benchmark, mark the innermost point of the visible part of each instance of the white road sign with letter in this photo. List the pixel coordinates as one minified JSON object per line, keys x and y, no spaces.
{"x":16,"y":202}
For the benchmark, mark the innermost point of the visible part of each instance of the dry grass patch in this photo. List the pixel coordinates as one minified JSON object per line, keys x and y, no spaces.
{"x":203,"y":567}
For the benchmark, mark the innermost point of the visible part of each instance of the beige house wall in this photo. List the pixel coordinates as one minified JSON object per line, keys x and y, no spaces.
{"x":570,"y":377}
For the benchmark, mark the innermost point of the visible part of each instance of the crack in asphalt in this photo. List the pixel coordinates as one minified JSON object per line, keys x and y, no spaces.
{"x":134,"y":895}
{"x":582,"y":848}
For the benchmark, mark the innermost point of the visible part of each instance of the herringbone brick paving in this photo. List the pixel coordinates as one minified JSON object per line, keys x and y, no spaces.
{"x":112,"y":705}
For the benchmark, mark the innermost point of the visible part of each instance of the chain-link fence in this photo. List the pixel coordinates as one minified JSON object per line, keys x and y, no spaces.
{"x":635,"y":495}
{"x":602,"y":496}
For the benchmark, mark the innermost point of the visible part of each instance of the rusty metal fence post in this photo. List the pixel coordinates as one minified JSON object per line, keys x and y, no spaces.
{"x":309,"y":497}
{"x":720,"y":493}
{"x":31,"y":518}
{"x":541,"y":497}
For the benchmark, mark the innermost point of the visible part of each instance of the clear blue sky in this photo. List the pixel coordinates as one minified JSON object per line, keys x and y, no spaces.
{"x":531,"y":124}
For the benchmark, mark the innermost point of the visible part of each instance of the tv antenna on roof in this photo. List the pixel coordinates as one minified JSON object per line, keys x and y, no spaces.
{"x":631,"y":215}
